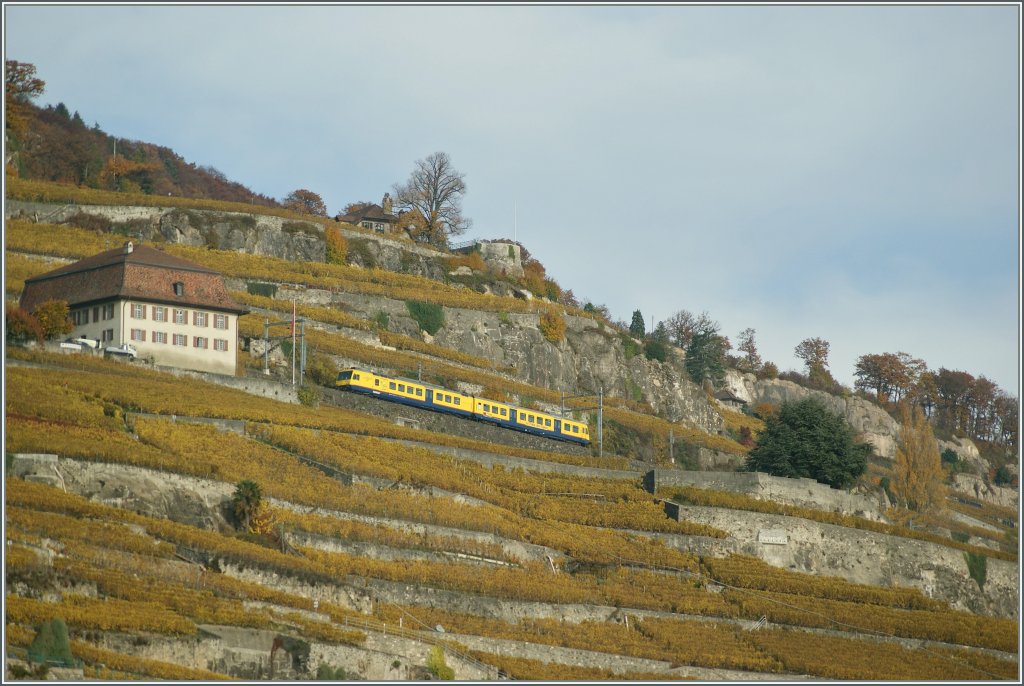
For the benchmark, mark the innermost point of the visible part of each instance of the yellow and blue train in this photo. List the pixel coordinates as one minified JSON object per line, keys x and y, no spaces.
{"x":429,"y":397}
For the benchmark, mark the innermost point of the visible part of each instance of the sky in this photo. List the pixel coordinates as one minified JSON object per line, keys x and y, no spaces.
{"x":844,"y":172}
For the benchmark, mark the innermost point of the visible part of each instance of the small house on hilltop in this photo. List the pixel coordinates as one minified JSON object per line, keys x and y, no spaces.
{"x":730,"y":399}
{"x":176,"y":311}
{"x":379,"y":218}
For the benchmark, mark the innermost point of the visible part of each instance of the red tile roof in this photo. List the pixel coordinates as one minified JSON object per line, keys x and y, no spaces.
{"x":371,"y":212}
{"x":145,"y":273}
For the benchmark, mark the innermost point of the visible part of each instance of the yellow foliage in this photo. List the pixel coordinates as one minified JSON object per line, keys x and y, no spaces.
{"x":834,"y":657}
{"x":103,"y":615}
{"x":918,"y":480}
{"x":142,"y":666}
{"x":552,"y":325}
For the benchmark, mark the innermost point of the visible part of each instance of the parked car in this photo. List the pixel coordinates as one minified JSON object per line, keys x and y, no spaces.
{"x":125,"y":350}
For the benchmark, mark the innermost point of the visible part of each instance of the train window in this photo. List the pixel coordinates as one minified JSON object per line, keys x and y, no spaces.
{"x":356,"y":377}
{"x":401,"y":387}
{"x":487,"y":408}
{"x":391,"y":385}
{"x":376,"y":382}
{"x":548,"y":422}
{"x":419,"y":391}
{"x":456,"y":400}
{"x":504,"y":412}
{"x":344,"y":376}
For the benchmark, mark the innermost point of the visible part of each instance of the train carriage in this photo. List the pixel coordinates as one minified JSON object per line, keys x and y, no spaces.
{"x":438,"y":399}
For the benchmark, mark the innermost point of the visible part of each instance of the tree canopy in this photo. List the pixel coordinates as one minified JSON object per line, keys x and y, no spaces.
{"x":305,"y":201}
{"x":636,"y":326}
{"x":705,"y":356}
{"x":918,"y":480}
{"x":435,"y":190}
{"x":806,"y":439}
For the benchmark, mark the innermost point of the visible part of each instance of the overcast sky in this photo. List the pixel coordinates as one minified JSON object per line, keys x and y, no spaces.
{"x":850,"y":173}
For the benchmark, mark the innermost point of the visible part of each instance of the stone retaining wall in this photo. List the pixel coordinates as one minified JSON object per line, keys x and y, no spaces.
{"x":798,"y":492}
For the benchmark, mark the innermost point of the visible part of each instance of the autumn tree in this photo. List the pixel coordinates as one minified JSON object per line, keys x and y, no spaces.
{"x":53,"y":318}
{"x":336,"y":247}
{"x":814,"y":353}
{"x":435,"y":189}
{"x":918,"y":478}
{"x":751,"y":360}
{"x":305,"y":202}
{"x":636,"y":326}
{"x":806,"y":439}
{"x":20,"y":87}
{"x":22,"y":326}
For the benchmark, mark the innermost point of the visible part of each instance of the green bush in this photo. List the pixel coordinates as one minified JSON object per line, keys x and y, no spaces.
{"x":429,"y":316}
{"x":655,"y":350}
{"x":977,"y":567}
{"x":309,"y":396}
{"x":382,"y":319}
{"x":51,"y":645}
{"x":437,"y":666}
{"x":267,"y":290}
{"x":322,"y":370}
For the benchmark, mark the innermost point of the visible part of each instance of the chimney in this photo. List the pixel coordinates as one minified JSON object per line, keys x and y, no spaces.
{"x":385,"y":204}
{"x":128,"y":248}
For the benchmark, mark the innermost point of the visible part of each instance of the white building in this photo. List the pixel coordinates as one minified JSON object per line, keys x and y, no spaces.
{"x":175,"y":311}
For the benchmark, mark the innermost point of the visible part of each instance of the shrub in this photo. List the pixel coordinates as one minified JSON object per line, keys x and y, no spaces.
{"x":51,"y":644}
{"x":552,"y":325}
{"x":429,"y":316}
{"x":382,"y":319}
{"x":267,"y":290}
{"x":656,"y":350}
{"x":977,"y":567}
{"x":336,"y":246}
{"x":437,"y":666}
{"x":1003,"y":477}
{"x":768,"y":371}
{"x":322,"y":370}
{"x":309,"y":396}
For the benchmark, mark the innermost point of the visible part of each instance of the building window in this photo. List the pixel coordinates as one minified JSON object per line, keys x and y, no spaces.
{"x":138,"y":311}
{"x":220,"y":344}
{"x":159,"y":314}
{"x":180,"y":317}
{"x":180,"y":339}
{"x":200,"y":319}
{"x":78,"y":319}
{"x":108,"y":311}
{"x":108,"y":336}
{"x":139,"y":335}
{"x":200,"y":342}
{"x":179,"y":288}
{"x":96,"y":314}
{"x":159,"y":337}
{"x":220,"y":321}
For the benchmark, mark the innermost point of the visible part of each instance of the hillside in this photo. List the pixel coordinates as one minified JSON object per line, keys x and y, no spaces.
{"x":56,"y":145}
{"x":391,"y":531}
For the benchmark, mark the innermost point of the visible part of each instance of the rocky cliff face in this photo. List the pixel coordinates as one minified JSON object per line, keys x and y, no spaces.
{"x":873,"y":423}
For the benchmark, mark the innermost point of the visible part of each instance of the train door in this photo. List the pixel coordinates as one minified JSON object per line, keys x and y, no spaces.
{"x":558,"y":426}
{"x":430,"y":396}
{"x":512,"y":415}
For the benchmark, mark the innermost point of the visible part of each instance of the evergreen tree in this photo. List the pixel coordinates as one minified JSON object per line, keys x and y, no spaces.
{"x":636,"y":327}
{"x":806,"y":439}
{"x":705,"y":357}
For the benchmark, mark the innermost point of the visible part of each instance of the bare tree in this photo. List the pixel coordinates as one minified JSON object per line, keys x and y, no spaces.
{"x":683,"y":325}
{"x":435,"y":190}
